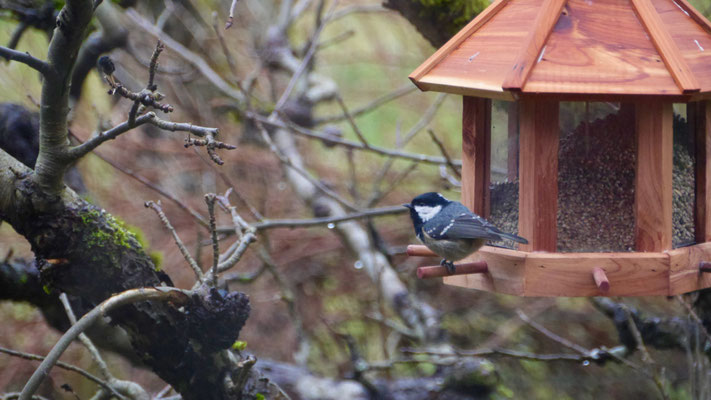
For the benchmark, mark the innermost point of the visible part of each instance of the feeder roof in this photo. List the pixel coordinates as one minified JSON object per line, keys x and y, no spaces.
{"x":576,"y":49}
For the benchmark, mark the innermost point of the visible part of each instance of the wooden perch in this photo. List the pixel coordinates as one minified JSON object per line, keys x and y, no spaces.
{"x":704,"y":266}
{"x":418,"y":250}
{"x":601,"y":281}
{"x":477,"y":267}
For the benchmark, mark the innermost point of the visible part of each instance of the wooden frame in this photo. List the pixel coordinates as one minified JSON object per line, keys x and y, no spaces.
{"x":653,"y":176}
{"x":476,"y":154}
{"x":538,"y":174}
{"x":571,"y":274}
{"x":699,"y":117}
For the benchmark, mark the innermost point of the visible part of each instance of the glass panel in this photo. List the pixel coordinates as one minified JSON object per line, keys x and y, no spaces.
{"x":596,"y":170}
{"x":504,"y":168}
{"x":684,"y":178}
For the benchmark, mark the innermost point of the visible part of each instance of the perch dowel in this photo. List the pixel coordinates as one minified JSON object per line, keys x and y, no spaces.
{"x":418,"y":250}
{"x":705,"y":266}
{"x":601,"y":281}
{"x":477,"y":267}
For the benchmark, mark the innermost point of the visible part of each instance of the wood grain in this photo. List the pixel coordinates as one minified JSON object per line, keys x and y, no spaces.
{"x":476,"y":154}
{"x":547,"y":17}
{"x":600,"y":48}
{"x":479,"y":64}
{"x":653,"y":176}
{"x":699,"y":117}
{"x":457,"y":39}
{"x":666,"y":47}
{"x":570,"y":275}
{"x":684,"y":272}
{"x":601,"y":281}
{"x":506,"y":272}
{"x":438,"y":271}
{"x":538,"y":170}
{"x":692,"y":36}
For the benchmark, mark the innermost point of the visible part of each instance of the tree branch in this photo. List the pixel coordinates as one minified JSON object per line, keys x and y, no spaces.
{"x":25,"y":58}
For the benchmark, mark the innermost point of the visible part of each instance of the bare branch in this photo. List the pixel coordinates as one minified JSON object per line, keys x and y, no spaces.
{"x":25,"y":58}
{"x":210,"y":201}
{"x":395,"y":94}
{"x":349,"y":143}
{"x":100,"y":311}
{"x":445,"y":154}
{"x":188,"y":56}
{"x":183,"y":250}
{"x":60,"y":364}
{"x":83,"y":149}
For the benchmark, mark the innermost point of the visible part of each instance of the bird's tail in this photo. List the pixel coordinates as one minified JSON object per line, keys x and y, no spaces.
{"x":513,"y":237}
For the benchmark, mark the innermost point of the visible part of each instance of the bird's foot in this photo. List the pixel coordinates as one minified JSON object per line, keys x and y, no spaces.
{"x":451,"y":268}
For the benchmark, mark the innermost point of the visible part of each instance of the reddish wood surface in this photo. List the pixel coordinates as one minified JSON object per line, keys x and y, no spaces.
{"x":526,"y":59}
{"x":601,"y":281}
{"x":653,"y":176}
{"x":568,"y":274}
{"x":479,"y":65}
{"x":600,"y":47}
{"x":689,"y":31}
{"x":666,"y":47}
{"x":684,"y":275}
{"x":418,"y":250}
{"x":476,"y":267}
{"x":476,"y":154}
{"x":538,"y":170}
{"x":613,"y":48}
{"x":457,"y":39}
{"x":698,"y":115}
{"x":506,"y":272}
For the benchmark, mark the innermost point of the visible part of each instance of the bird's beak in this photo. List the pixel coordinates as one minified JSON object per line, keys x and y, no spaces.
{"x":407,"y":205}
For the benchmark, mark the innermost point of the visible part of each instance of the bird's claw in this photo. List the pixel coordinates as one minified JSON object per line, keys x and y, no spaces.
{"x":451,"y":268}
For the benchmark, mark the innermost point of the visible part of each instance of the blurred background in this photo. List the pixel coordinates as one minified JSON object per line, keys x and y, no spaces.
{"x":314,"y":304}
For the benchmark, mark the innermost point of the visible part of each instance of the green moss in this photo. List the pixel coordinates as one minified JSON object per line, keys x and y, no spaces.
{"x":118,"y":233}
{"x":157,"y":258}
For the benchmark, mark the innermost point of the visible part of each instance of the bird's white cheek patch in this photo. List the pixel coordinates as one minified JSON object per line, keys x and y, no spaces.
{"x":426,"y":213}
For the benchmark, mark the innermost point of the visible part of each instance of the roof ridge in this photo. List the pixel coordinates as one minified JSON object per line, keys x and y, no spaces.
{"x":548,"y":15}
{"x":665,"y":45}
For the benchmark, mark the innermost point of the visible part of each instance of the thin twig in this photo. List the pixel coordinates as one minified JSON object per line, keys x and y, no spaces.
{"x":287,"y":161}
{"x":183,"y":250}
{"x":10,"y":54}
{"x":558,"y":339}
{"x":351,"y":121}
{"x":210,"y":200}
{"x":60,"y":364}
{"x":445,"y":154}
{"x":121,"y":299}
{"x":231,"y":18}
{"x":348,"y":143}
{"x":395,"y":94}
{"x":153,"y":66}
{"x":295,"y":223}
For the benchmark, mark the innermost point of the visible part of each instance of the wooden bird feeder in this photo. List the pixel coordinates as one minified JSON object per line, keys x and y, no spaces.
{"x":638,"y":57}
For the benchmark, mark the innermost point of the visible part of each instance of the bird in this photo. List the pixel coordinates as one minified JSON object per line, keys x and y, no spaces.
{"x":450,"y":229}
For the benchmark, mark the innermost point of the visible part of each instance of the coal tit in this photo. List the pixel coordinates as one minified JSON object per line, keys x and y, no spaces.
{"x":450,"y":230}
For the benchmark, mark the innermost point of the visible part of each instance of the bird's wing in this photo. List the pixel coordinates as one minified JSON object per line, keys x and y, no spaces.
{"x":464,"y":226}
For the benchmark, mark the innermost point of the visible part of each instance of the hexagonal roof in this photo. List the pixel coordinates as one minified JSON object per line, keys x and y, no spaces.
{"x":576,"y":49}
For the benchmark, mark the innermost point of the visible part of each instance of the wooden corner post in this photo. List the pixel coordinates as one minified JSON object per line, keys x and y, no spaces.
{"x":653,"y":176}
{"x":538,"y":174}
{"x":699,"y":116}
{"x":476,"y":154}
